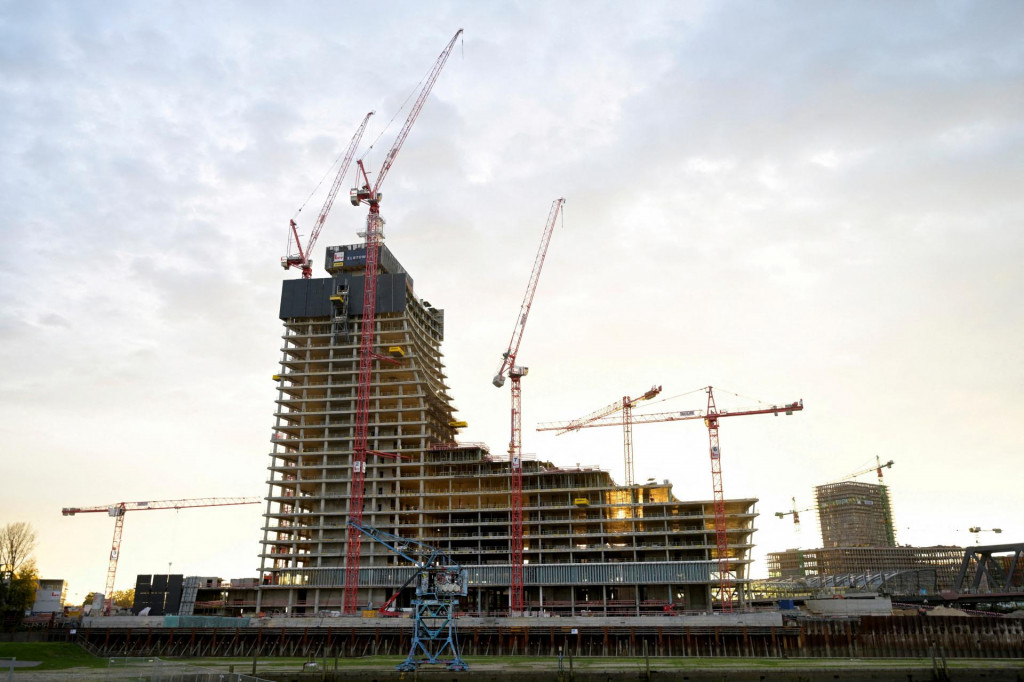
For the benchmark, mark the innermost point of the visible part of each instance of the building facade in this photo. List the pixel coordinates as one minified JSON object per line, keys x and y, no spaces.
{"x":588,"y":545}
{"x":50,"y":596}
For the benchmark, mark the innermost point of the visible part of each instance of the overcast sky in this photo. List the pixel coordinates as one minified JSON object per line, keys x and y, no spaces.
{"x":784,"y":200}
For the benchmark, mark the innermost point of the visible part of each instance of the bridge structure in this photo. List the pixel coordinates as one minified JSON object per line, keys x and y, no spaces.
{"x":992,"y":572}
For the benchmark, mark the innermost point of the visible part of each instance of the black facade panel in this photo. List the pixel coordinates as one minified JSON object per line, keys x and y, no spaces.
{"x":312,"y":297}
{"x":141,"y":599}
{"x":173,"y":602}
{"x":143,"y":580}
{"x":293,"y":298}
{"x":390,"y":294}
{"x":159,"y":583}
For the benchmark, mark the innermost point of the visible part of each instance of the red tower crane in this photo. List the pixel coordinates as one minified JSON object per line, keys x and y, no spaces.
{"x":118,"y":510}
{"x":626,"y":406}
{"x":710,"y":416}
{"x":370,"y":194}
{"x":515,"y":446}
{"x":299,"y":257}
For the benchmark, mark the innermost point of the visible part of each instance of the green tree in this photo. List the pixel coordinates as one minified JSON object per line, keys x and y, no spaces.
{"x":19,"y":578}
{"x":124,"y":598}
{"x":19,"y":593}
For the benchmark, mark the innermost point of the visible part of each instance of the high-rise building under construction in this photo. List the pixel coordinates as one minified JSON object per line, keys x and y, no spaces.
{"x":590,"y":545}
{"x":854,"y":514}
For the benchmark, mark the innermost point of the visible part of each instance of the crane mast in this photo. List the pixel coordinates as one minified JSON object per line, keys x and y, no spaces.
{"x":301,"y":259}
{"x":625,"y":405}
{"x":374,"y":237}
{"x":515,"y":446}
{"x":118,"y":510}
{"x":711,"y":415}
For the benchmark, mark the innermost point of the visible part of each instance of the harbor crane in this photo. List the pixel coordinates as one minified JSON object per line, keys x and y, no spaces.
{"x":370,"y":193}
{"x":119,"y":509}
{"x":297,"y":256}
{"x":440,"y":581}
{"x":710,"y":416}
{"x":515,"y":446}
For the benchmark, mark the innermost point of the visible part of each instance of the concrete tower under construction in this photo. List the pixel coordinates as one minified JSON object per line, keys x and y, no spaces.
{"x":590,"y":545}
{"x":855,"y":514}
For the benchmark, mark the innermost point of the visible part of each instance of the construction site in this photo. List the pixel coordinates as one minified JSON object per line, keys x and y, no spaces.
{"x":530,"y":554}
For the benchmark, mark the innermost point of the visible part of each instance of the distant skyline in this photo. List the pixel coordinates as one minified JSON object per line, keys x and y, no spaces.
{"x":783,"y":200}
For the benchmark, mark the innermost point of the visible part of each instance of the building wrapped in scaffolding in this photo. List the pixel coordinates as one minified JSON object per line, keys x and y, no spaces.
{"x":590,"y":545}
{"x":855,"y":514}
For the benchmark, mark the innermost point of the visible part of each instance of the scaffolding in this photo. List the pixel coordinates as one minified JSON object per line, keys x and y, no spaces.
{"x":854,"y":514}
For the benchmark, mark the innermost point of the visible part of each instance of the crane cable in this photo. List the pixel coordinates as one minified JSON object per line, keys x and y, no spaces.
{"x":415,"y":90}
{"x":703,"y":389}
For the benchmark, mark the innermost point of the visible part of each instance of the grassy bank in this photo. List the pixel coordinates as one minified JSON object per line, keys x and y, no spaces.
{"x":51,"y":655}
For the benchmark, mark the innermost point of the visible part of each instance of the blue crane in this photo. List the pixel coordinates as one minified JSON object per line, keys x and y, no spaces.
{"x":439,"y":582}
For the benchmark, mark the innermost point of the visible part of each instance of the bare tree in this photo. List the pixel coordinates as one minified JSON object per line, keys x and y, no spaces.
{"x":17,"y":540}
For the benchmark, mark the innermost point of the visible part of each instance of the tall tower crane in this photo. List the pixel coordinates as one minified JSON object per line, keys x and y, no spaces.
{"x":369,"y":193}
{"x":299,"y":257}
{"x":118,"y":510}
{"x":626,"y":405}
{"x":515,"y":446}
{"x":710,"y":416}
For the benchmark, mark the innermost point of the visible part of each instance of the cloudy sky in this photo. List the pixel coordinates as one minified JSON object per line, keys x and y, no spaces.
{"x":783,"y":200}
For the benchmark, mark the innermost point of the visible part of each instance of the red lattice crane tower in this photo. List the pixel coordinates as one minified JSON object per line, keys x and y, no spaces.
{"x":710,"y":416}
{"x":118,"y":510}
{"x":625,"y":405}
{"x":515,"y":446}
{"x":370,"y":194}
{"x":297,"y":256}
